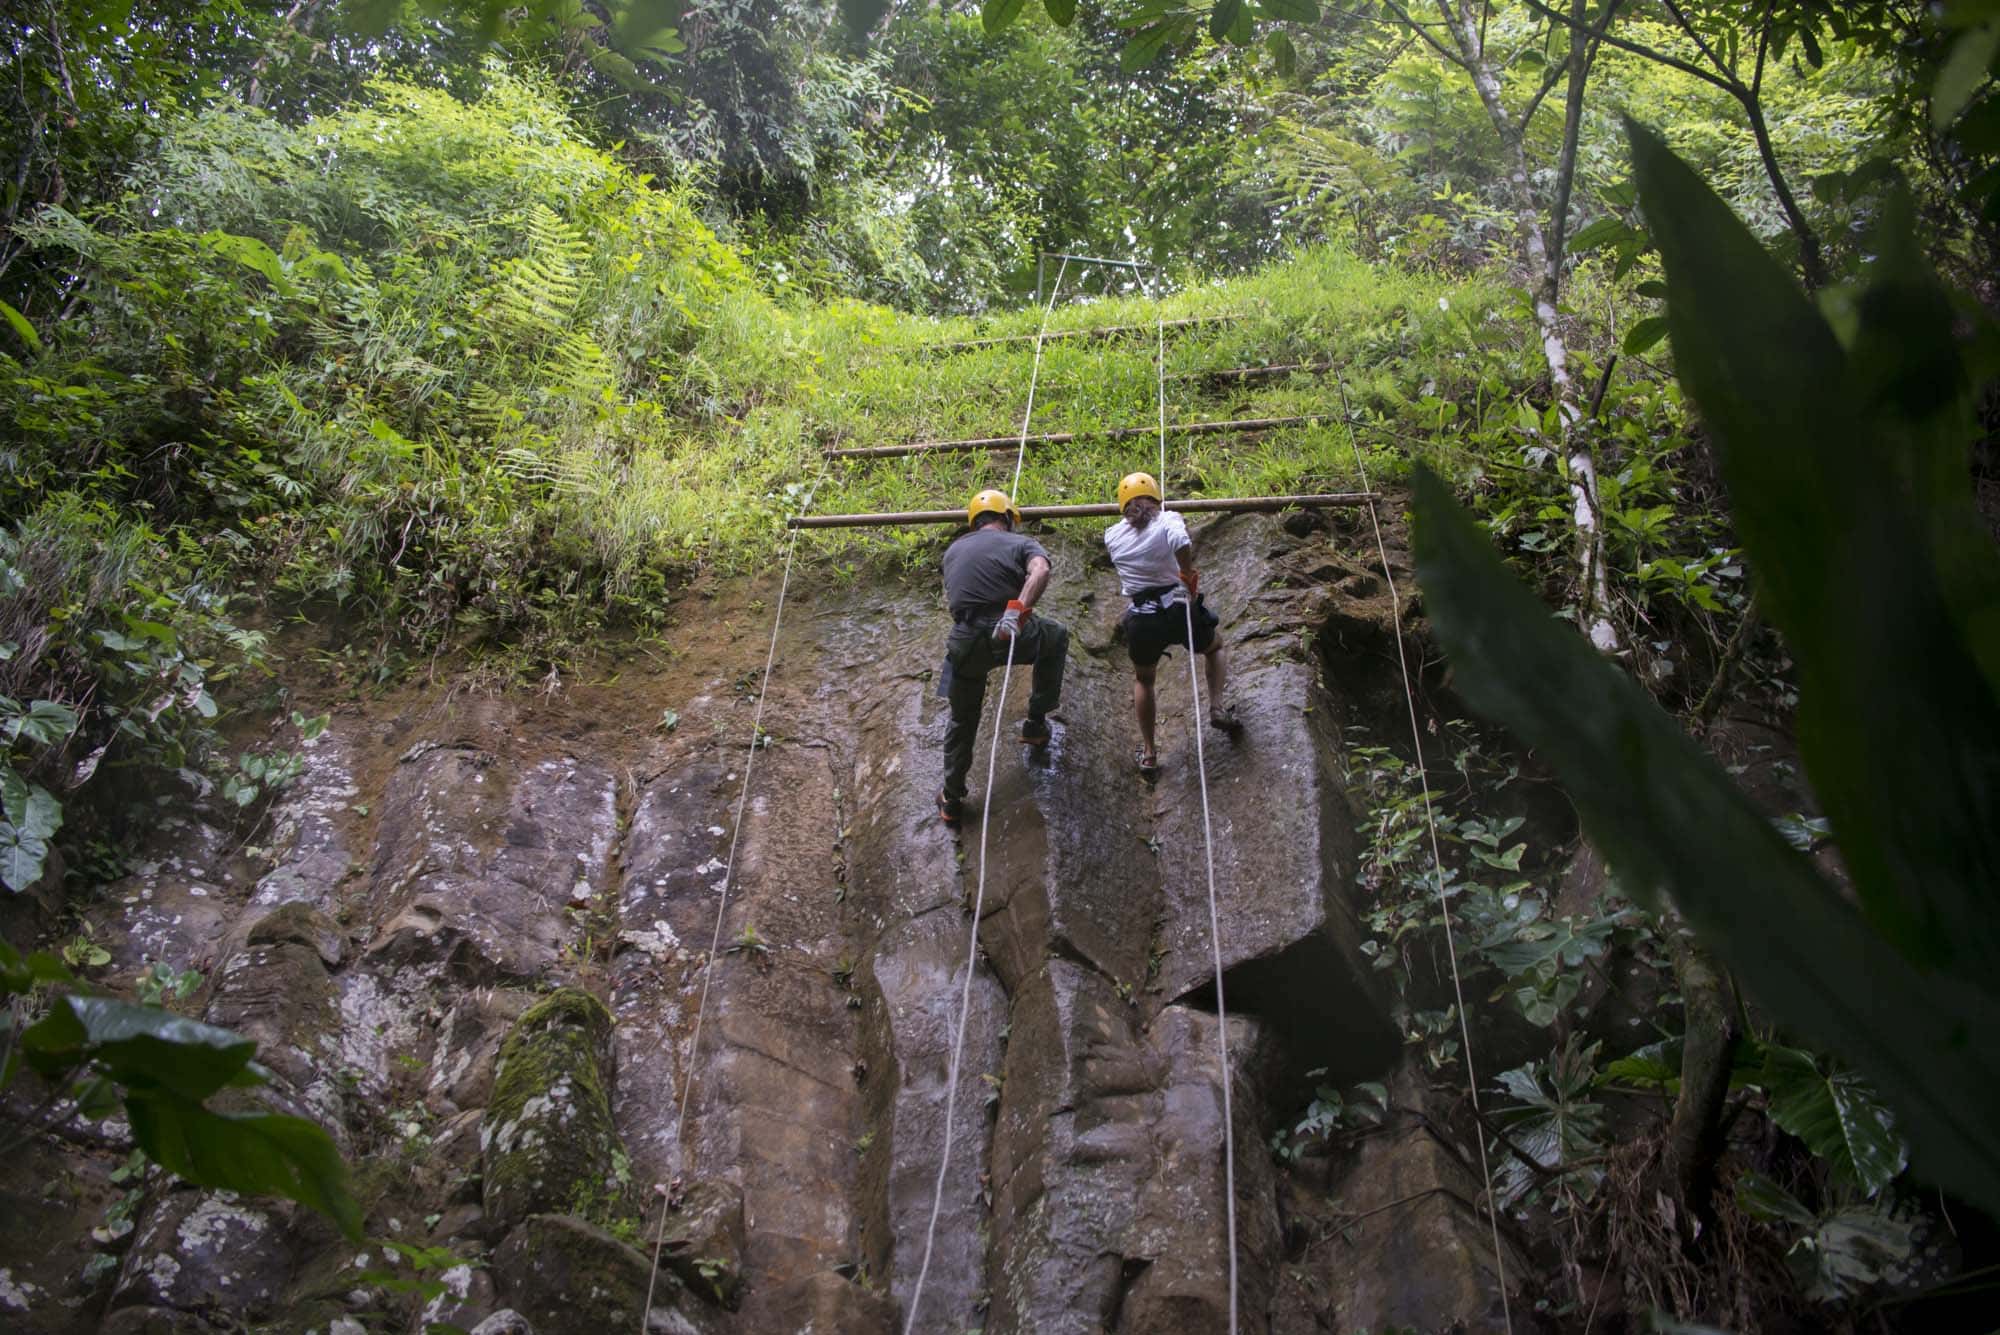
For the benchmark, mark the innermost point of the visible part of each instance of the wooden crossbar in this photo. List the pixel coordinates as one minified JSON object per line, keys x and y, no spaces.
{"x":1102,"y":510}
{"x":1253,"y":372}
{"x":1102,"y":331}
{"x":1066,"y":437}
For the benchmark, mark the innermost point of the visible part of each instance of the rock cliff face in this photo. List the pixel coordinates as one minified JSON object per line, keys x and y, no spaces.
{"x":474,"y":948}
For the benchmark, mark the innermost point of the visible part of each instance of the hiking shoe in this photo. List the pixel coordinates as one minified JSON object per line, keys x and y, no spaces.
{"x":1224,"y":717}
{"x":950,"y":809}
{"x":1035,"y":731}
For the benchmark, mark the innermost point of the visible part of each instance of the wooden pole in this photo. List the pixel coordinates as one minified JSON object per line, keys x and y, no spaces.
{"x":1103,"y":331}
{"x":1066,"y":437}
{"x":1253,"y":372}
{"x":1102,"y":510}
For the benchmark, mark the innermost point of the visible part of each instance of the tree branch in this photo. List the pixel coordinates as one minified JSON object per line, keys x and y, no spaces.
{"x":1650,"y":53}
{"x":1763,"y":46}
{"x":1422,"y":30}
{"x":1550,"y":79}
{"x":1708,"y":52}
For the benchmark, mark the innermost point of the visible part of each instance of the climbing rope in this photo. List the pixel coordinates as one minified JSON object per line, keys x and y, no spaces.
{"x":979,"y":893}
{"x":1437,"y":860}
{"x":1208,"y":858}
{"x":728,"y":875}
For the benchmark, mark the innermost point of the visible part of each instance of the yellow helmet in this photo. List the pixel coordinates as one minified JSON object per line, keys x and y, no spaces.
{"x":991,"y":502}
{"x":1137,"y":484}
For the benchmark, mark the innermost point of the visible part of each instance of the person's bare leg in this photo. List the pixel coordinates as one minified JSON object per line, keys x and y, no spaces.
{"x":1142,"y":701}
{"x":1218,"y":677}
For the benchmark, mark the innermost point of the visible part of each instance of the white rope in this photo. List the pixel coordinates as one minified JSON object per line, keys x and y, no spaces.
{"x":979,"y":892}
{"x":728,"y":872}
{"x":1034,"y":378}
{"x":1208,"y":857}
{"x":1437,"y":862}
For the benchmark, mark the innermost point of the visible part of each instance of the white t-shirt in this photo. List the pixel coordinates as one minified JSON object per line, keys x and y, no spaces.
{"x":1145,"y":557}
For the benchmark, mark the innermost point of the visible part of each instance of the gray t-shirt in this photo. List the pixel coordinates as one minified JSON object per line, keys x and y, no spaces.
{"x":986,"y":568}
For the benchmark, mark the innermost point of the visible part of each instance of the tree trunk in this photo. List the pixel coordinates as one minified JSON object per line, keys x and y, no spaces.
{"x":1812,"y":265}
{"x":1546,"y":265}
{"x":1694,"y":1140}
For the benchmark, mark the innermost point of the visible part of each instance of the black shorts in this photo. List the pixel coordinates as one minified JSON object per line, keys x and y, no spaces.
{"x":1149,"y":634}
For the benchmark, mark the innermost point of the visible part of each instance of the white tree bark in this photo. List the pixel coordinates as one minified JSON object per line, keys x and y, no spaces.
{"x":1594,"y":614}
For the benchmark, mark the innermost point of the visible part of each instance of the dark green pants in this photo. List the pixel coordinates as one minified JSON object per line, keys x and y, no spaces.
{"x":969,"y":655}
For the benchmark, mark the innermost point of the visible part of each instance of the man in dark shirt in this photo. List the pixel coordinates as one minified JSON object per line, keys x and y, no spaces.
{"x":992,"y":577}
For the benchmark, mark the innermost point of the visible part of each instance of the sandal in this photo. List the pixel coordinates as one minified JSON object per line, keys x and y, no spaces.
{"x":949,"y":809}
{"x":1148,"y":762}
{"x":1224,"y":717}
{"x":1036,"y":731}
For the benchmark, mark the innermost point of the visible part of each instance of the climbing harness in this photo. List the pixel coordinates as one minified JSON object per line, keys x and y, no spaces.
{"x":979,"y":893}
{"x":1208,"y":858}
{"x":728,"y":877}
{"x":1437,"y":861}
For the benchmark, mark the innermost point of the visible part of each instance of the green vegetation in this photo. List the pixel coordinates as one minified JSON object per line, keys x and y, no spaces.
{"x":96,"y":1055}
{"x":1884,"y":583}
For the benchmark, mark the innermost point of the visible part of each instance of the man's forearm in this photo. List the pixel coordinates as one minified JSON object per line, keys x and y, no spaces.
{"x":1038,"y":580}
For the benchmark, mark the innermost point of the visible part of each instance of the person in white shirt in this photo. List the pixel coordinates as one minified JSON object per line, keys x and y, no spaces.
{"x":1154,"y":556}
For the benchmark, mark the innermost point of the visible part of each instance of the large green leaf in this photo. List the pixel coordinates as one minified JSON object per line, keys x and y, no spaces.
{"x":1837,"y":1114}
{"x":39,"y":814}
{"x":1294,"y":11}
{"x":1556,"y":1122}
{"x":21,"y":857}
{"x":1847,"y":477}
{"x":24,"y":330}
{"x":1668,"y":818}
{"x":1566,"y":941}
{"x":1766,"y":1200}
{"x":1962,"y":73}
{"x":141,"y":1047}
{"x":257,"y":1153}
{"x":18,"y":974}
{"x":251,"y":253}
{"x":861,"y":16}
{"x":998,"y":15}
{"x":1147,"y":43}
{"x":43,"y":721}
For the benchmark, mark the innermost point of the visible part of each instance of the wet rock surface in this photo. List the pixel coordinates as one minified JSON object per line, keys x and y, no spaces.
{"x":477,"y":947}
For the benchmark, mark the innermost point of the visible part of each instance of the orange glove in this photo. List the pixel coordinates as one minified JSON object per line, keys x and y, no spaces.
{"x":1009,"y":624}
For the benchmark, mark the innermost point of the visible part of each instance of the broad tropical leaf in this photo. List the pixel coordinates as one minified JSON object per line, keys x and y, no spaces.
{"x":998,"y":15}
{"x":21,"y":857}
{"x":1669,"y":819}
{"x":258,"y":1153}
{"x":1837,"y":1115}
{"x":1847,"y":474}
{"x":141,"y":1047}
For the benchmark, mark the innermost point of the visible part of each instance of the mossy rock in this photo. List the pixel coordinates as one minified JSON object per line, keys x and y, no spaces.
{"x":548,"y":1142}
{"x":570,"y":1278}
